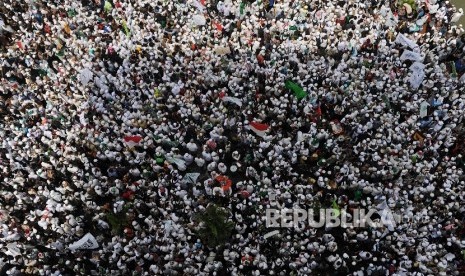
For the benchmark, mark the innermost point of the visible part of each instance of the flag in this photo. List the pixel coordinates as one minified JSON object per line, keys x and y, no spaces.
{"x":199,"y":20}
{"x":404,"y":41}
{"x":298,"y":91}
{"x":270,"y":234}
{"x":132,"y":141}
{"x":125,"y":28}
{"x":180,"y":163}
{"x":156,"y":93}
{"x":418,"y":74}
{"x":13,"y":249}
{"x":233,"y":100}
{"x":85,"y":76}
{"x":199,"y":6}
{"x":191,"y":177}
{"x":424,"y":109}
{"x":258,"y":128}
{"x":107,"y":6}
{"x":336,"y":208}
{"x":86,"y":242}
{"x":387,"y":218}
{"x":218,"y":26}
{"x":66,"y":28}
{"x":318,"y":111}
{"x":407,"y":54}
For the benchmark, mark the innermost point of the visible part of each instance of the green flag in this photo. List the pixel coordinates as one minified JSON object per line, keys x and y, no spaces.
{"x":293,"y":28}
{"x":336,"y":208}
{"x":454,"y":70}
{"x":107,"y":7}
{"x":358,"y":195}
{"x":298,"y":91}
{"x":242,"y":8}
{"x":72,"y":12}
{"x":125,"y":28}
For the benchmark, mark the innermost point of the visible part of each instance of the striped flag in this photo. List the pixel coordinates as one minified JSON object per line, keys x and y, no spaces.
{"x":132,"y":141}
{"x":258,"y":128}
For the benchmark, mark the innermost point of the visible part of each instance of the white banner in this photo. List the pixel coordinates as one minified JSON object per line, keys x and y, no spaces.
{"x":407,"y":54}
{"x":390,"y":20}
{"x":424,"y":109}
{"x":233,"y":100}
{"x":191,"y":177}
{"x":222,"y":50}
{"x":270,"y":234}
{"x":403,"y":40}
{"x":85,"y":76}
{"x":86,"y":242}
{"x":199,"y":6}
{"x":418,"y":74}
{"x":199,"y":20}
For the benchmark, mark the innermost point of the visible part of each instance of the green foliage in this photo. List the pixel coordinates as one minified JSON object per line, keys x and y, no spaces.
{"x":215,"y":227}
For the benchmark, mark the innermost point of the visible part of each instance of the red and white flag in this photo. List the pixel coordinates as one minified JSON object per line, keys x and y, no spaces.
{"x":259,"y":129}
{"x":132,"y":141}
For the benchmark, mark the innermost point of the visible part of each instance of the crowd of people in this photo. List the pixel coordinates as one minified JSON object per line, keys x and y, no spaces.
{"x":123,"y":119}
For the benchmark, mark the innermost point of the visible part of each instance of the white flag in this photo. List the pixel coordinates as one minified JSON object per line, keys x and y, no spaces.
{"x":407,"y":54}
{"x":13,"y":249}
{"x":418,"y":74}
{"x":85,"y":76}
{"x":233,"y":100}
{"x":180,"y":163}
{"x":199,"y":6}
{"x":199,"y":20}
{"x":191,"y":177}
{"x":387,"y":218}
{"x":403,"y":40}
{"x":270,"y":234}
{"x":86,"y":242}
{"x":424,"y":109}
{"x":390,"y":19}
{"x":222,"y":50}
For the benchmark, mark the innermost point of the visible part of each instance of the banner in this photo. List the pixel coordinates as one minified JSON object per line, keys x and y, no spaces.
{"x":85,"y":76}
{"x":259,"y":129}
{"x":390,"y":20}
{"x":424,"y":109}
{"x":191,"y":177}
{"x":233,"y":100}
{"x":270,"y":234}
{"x":403,"y":40}
{"x":86,"y":242}
{"x":298,"y":91}
{"x":199,"y":20}
{"x":409,"y":55}
{"x":180,"y":163}
{"x":418,"y":74}
{"x":199,"y":6}
{"x":222,"y":50}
